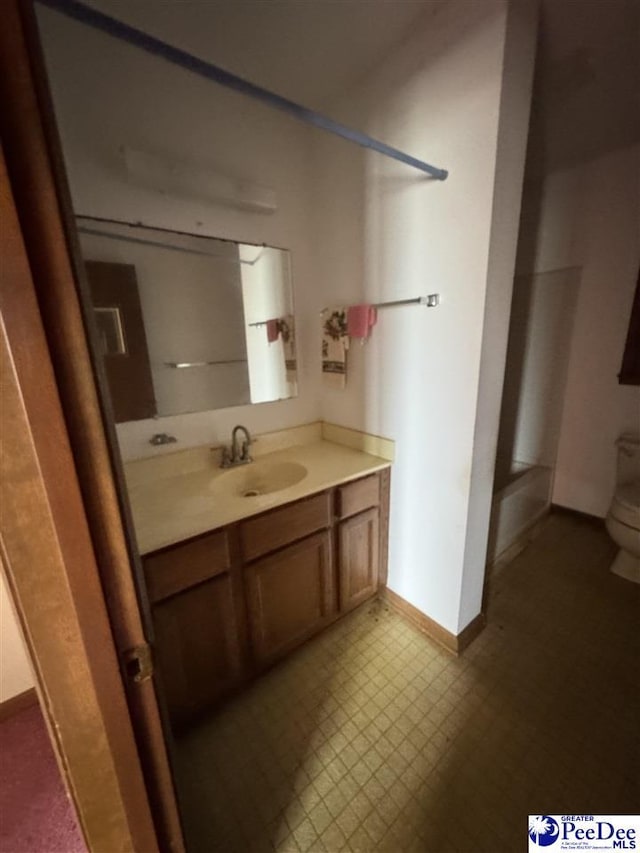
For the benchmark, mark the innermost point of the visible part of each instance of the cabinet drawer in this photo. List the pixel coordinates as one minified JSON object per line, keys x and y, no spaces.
{"x":268,"y":532}
{"x":358,"y":496}
{"x":176,"y":569}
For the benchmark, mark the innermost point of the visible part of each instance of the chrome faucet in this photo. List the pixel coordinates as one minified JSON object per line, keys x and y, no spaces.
{"x":237,"y":455}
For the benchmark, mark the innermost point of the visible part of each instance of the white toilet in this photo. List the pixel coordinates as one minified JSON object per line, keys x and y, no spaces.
{"x":623,"y":520}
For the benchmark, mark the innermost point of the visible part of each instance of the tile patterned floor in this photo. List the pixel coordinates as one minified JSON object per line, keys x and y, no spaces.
{"x":372,"y":738}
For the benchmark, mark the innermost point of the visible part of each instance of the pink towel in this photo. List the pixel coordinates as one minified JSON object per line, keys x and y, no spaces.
{"x":273,"y":330}
{"x":360,"y":320}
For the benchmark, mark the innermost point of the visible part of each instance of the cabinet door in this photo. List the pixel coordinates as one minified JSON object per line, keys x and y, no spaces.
{"x":290,"y":596}
{"x":197,"y":647}
{"x":359,"y":548}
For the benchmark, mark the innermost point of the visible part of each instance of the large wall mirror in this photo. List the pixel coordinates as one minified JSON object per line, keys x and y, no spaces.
{"x":188,"y":323}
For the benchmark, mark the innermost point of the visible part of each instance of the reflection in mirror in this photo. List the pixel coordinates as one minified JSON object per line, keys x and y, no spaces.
{"x":188,"y":323}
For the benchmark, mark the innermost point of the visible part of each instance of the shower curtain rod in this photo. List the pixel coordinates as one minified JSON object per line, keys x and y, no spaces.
{"x":131,"y":35}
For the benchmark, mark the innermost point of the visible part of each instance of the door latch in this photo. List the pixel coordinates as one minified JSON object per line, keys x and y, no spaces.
{"x":138,"y":663}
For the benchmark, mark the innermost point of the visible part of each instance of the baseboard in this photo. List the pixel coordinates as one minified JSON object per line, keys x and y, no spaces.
{"x":577,"y":513}
{"x":18,"y":703}
{"x":468,"y":634}
{"x":451,"y":642}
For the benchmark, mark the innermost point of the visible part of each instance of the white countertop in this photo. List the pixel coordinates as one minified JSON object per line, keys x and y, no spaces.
{"x":189,"y":498}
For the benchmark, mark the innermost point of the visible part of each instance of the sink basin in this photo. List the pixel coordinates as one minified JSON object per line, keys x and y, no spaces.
{"x":259,"y":478}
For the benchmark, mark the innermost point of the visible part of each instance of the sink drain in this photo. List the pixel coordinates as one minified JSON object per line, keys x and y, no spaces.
{"x":251,"y":493}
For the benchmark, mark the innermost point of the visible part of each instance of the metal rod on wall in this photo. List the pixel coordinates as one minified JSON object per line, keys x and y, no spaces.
{"x":431,"y":301}
{"x":138,"y":38}
{"x":178,"y":365}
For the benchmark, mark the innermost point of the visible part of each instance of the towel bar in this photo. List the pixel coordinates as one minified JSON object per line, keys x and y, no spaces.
{"x":432,"y":300}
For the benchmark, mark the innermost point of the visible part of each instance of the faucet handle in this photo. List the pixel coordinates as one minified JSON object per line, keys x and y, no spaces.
{"x":225,"y":458}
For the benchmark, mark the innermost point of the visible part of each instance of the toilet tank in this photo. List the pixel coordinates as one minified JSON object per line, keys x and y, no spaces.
{"x":628,"y":458}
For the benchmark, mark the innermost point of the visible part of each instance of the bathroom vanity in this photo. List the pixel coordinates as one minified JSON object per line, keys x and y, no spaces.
{"x":233,"y":599}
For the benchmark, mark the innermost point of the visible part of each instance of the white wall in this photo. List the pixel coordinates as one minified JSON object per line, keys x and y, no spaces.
{"x":589,"y":217}
{"x":542,"y":317}
{"x":15,"y":669}
{"x":515,"y":104}
{"x":382,"y":233}
{"x":125,"y":97}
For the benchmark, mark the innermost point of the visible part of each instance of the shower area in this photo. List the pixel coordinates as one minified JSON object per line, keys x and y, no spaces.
{"x":542,"y":313}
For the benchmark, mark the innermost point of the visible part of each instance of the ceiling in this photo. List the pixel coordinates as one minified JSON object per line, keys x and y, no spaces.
{"x":306,"y":50}
{"x":587,"y":81}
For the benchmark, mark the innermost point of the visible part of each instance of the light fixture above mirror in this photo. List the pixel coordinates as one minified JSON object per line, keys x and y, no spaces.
{"x":184,"y":180}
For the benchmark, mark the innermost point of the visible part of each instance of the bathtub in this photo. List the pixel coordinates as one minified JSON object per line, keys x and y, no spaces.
{"x":522,"y":494}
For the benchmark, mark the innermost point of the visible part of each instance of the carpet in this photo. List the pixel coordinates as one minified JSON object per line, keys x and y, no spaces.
{"x":36,"y":815}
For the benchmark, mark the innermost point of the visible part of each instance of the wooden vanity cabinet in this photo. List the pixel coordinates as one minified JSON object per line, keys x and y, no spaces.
{"x":291,"y":592}
{"x":290,"y":596}
{"x":265,"y":533}
{"x":362,"y":512}
{"x":196,"y":648}
{"x":359,"y":558}
{"x":199,"y":620}
{"x":229,"y":603}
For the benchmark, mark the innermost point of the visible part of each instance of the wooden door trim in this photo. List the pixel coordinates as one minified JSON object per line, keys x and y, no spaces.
{"x":53,"y":576}
{"x":34,"y":166}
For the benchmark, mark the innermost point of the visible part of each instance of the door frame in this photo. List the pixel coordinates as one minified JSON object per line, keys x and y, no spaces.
{"x":70,"y":450}
{"x":52,"y":574}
